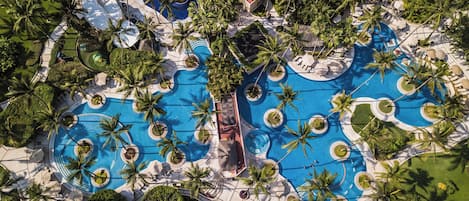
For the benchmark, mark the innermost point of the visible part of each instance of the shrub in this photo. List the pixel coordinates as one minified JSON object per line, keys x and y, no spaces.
{"x":107,"y":195}
{"x":8,"y":55}
{"x":318,"y":123}
{"x":166,"y":193}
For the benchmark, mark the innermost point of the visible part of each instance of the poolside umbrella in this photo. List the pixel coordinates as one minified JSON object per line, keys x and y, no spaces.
{"x":431,"y":53}
{"x":440,"y":55}
{"x":399,"y":24}
{"x":413,"y":40}
{"x":399,"y":5}
{"x":227,"y":155}
{"x":465,"y":83}
{"x":100,"y":79}
{"x":456,"y":69}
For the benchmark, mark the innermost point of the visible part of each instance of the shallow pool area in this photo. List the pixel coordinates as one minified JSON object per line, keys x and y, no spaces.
{"x":257,"y":142}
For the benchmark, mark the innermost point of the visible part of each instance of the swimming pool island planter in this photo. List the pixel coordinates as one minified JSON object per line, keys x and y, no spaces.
{"x":273,"y":118}
{"x":161,"y":132}
{"x":203,"y":136}
{"x":68,"y":120}
{"x":135,"y":108}
{"x":404,"y":88}
{"x":253,"y":92}
{"x":97,"y":101}
{"x":191,"y":62}
{"x":319,"y":124}
{"x":384,"y":107}
{"x":273,"y":165}
{"x":426,"y":107}
{"x":339,"y":147}
{"x":83,"y":144}
{"x":178,"y":155}
{"x":365,"y":39}
{"x":100,"y":173}
{"x":292,"y":197}
{"x":165,"y":85}
{"x":277,"y":74}
{"x":129,"y":153}
{"x":363,"y":177}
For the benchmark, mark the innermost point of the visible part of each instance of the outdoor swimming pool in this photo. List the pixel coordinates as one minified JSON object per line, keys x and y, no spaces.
{"x":179,"y":12}
{"x":314,"y":98}
{"x":189,"y":88}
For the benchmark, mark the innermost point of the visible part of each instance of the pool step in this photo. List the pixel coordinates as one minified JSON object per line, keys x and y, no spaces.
{"x":197,"y":43}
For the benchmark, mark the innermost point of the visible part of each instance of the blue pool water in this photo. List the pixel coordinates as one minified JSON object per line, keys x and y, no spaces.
{"x":189,"y":88}
{"x":257,"y":142}
{"x":179,"y":13}
{"x":314,"y":98}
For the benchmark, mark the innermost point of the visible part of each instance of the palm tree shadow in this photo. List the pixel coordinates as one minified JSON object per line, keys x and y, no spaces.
{"x":419,"y":178}
{"x":194,"y":98}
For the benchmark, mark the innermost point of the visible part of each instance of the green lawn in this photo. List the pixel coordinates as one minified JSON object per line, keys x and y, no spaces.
{"x":433,"y":170}
{"x":388,"y":141}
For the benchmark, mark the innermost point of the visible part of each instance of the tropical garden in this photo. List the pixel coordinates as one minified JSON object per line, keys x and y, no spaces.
{"x":83,"y":51}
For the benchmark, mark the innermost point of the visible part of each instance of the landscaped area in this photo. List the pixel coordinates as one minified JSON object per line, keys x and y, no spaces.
{"x":233,"y":100}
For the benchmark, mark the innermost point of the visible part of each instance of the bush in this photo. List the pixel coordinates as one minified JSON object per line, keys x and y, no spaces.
{"x":8,"y":55}
{"x":107,"y":195}
{"x":166,"y":193}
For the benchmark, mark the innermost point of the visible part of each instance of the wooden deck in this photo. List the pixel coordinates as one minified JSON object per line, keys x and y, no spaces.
{"x":228,"y":121}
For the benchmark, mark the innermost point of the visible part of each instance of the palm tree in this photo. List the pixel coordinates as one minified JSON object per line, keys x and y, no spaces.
{"x":286,"y":97}
{"x":132,"y":173}
{"x":394,"y":173}
{"x":197,"y":183}
{"x":319,"y":187}
{"x":154,"y":65}
{"x":453,"y":109}
{"x":170,"y":145}
{"x":203,"y":113}
{"x":147,"y":29}
{"x":23,"y":87}
{"x":371,"y":18}
{"x":460,"y":156}
{"x":348,"y":4}
{"x":131,"y":80}
{"x":293,"y":37}
{"x":36,"y":193}
{"x":181,"y":37}
{"x":382,"y":61}
{"x":303,"y":134}
{"x":342,"y":103}
{"x":165,"y":5}
{"x":27,"y":16}
{"x":435,"y":78}
{"x":438,"y":137}
{"x":112,"y":132}
{"x":49,"y":119}
{"x":269,"y":52}
{"x":6,"y":182}
{"x":79,"y":167}
{"x":70,"y":10}
{"x":150,"y":105}
{"x":112,"y":33}
{"x":258,"y":179}
{"x":387,"y":191}
{"x":369,"y":134}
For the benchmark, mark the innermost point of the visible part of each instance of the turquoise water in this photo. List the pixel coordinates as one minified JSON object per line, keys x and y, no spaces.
{"x":257,"y":142}
{"x":314,"y":98}
{"x":189,"y":88}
